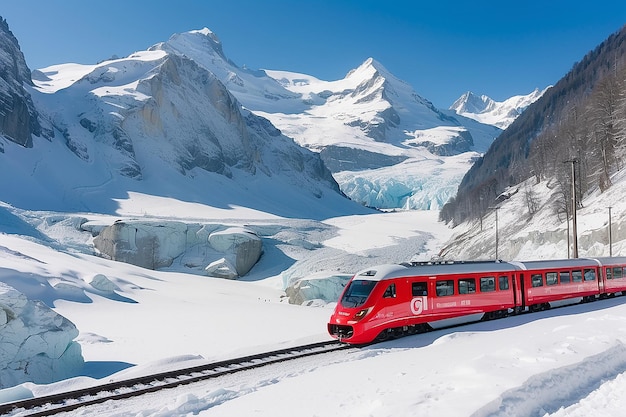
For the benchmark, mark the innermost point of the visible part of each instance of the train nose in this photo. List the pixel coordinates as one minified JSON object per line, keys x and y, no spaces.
{"x":340,"y":331}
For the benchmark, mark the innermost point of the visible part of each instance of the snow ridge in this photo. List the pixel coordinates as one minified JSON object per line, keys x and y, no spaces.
{"x":551,"y":391}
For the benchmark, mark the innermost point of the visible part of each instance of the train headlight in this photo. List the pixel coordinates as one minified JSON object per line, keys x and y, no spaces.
{"x":362,"y":313}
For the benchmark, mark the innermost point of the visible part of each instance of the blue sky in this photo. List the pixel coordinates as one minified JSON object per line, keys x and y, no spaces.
{"x":442,"y":48}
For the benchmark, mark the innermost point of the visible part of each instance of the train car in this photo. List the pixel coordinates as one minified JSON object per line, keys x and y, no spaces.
{"x":391,"y":300}
{"x":553,"y":283}
{"x":612,"y":275}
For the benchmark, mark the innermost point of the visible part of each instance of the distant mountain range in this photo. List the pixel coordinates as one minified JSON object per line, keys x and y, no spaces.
{"x":183,"y":108}
{"x":386,"y":146}
{"x":488,"y":111}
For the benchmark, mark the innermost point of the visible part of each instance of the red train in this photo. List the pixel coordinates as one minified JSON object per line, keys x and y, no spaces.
{"x":393,"y":300}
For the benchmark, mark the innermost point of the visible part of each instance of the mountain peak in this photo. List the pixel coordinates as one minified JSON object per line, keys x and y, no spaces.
{"x":195,"y":40}
{"x":206,"y":32}
{"x":368,"y":69}
{"x":472,"y":103}
{"x":486,"y":110}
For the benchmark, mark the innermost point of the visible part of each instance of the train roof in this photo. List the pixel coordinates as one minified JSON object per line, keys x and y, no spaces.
{"x":611,"y":260}
{"x":390,"y":271}
{"x":383,"y":272}
{"x":556,"y":263}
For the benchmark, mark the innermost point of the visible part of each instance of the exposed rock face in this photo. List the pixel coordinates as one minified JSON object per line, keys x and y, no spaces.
{"x":18,"y":117}
{"x":339,"y":158}
{"x":36,"y":343}
{"x":211,"y":131}
{"x":459,"y":141}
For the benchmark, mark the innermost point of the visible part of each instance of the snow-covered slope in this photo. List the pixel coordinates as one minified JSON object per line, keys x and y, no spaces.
{"x":560,"y":362}
{"x":528,"y":217}
{"x":368,"y":120}
{"x":486,"y":110}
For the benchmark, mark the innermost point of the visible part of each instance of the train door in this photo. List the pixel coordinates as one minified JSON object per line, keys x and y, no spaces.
{"x":432,"y":290}
{"x":601,"y":280}
{"x":522,"y":292}
{"x":515,"y":290}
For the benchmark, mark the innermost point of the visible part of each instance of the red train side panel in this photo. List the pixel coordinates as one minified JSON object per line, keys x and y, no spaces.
{"x":392,"y":298}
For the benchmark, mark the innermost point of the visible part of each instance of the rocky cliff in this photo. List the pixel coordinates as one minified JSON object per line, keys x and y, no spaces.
{"x":18,"y":117}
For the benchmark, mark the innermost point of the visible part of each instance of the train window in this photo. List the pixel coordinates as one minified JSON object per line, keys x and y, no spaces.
{"x":577,"y":275}
{"x":445,"y":288}
{"x":357,"y":292}
{"x":551,"y":278}
{"x":390,"y":292}
{"x":503,"y":282}
{"x":467,"y":286}
{"x":419,"y":288}
{"x":617,"y":272}
{"x":590,"y":274}
{"x":564,"y":277}
{"x":609,"y":274}
{"x":537,"y":280}
{"x":487,"y":284}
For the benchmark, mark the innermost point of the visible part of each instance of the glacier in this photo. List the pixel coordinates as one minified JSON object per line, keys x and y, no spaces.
{"x":37,"y":343}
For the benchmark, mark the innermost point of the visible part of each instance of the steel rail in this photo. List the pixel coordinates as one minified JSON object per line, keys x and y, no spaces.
{"x":72,"y":400}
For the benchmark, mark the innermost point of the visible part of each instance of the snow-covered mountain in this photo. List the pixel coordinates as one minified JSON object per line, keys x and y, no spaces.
{"x":486,"y":110}
{"x":387,"y":146}
{"x":132,"y":125}
{"x":180,"y":102}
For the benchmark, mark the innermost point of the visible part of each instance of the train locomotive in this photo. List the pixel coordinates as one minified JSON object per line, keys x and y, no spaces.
{"x":394,"y":300}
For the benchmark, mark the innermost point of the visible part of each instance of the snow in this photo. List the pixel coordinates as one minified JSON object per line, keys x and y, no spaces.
{"x":566,"y":361}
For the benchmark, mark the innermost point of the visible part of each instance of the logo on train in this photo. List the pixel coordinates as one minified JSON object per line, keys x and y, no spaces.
{"x":419,"y":304}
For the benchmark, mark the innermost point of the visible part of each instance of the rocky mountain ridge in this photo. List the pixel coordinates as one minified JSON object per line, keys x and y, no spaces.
{"x":19,"y":119}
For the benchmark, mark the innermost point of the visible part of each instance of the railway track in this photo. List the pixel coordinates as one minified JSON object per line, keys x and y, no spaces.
{"x":68,"y":401}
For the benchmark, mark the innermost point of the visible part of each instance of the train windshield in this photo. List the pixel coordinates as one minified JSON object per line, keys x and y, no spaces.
{"x":357,"y":292}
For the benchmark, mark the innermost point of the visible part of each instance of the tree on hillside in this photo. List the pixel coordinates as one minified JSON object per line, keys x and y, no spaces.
{"x":603,"y":111}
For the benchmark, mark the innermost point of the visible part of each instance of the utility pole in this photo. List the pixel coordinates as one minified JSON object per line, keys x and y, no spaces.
{"x":574,"y":231}
{"x":610,"y":235}
{"x":496,"y":209}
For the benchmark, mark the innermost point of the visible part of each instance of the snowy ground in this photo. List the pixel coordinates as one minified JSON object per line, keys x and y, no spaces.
{"x":564,"y":362}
